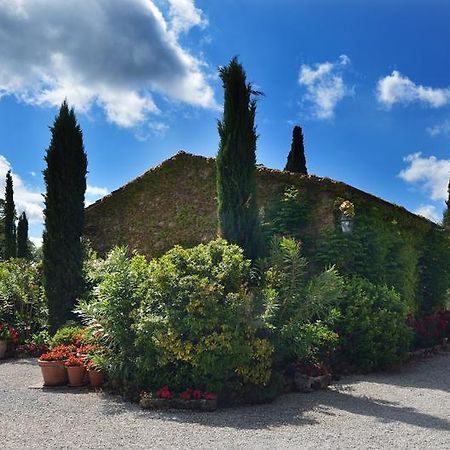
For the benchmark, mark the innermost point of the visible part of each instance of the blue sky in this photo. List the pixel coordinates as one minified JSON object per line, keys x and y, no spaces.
{"x":369,"y":82}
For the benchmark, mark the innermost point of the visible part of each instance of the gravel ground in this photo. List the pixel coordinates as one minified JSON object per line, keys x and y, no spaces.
{"x":408,"y":409}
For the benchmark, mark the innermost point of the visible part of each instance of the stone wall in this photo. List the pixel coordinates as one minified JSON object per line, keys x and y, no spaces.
{"x":175,"y":203}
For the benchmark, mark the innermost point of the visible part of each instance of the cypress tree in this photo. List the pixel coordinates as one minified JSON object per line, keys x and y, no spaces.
{"x":10,"y":219}
{"x":65,"y":180}
{"x":23,"y":250}
{"x":296,"y":161}
{"x":446,"y":219}
{"x":236,"y":163}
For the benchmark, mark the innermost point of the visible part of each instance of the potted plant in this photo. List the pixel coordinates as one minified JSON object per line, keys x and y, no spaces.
{"x":75,"y":371}
{"x":7,"y":334}
{"x":96,"y":369}
{"x":52,"y":365}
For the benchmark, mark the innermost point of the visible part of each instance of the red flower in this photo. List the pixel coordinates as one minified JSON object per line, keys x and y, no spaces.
{"x":209,"y":396}
{"x":186,"y":395}
{"x":164,"y":392}
{"x":73,"y":361}
{"x":197,"y":394}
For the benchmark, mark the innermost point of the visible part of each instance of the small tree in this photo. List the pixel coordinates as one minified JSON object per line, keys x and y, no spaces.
{"x":10,"y":219}
{"x":446,"y":219}
{"x":23,"y":250}
{"x":65,"y":179}
{"x":296,"y":161}
{"x":236,"y":185}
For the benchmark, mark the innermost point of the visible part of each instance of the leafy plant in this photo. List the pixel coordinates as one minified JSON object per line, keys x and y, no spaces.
{"x":69,"y":335}
{"x":22,"y":301}
{"x":373,"y":326}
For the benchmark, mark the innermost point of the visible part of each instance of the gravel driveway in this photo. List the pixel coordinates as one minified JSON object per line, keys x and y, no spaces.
{"x":409,"y":409}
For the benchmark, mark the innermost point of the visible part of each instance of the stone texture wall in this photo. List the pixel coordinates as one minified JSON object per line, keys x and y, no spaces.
{"x":175,"y":203}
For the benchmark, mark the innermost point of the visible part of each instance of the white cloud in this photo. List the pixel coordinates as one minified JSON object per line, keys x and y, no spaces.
{"x":184,"y":15}
{"x":431,"y":173}
{"x":396,"y":88}
{"x":325,"y":86}
{"x":25,"y":198}
{"x":37,"y":241}
{"x":428,"y":211}
{"x":440,"y":129}
{"x":95,"y":191}
{"x":113,"y":53}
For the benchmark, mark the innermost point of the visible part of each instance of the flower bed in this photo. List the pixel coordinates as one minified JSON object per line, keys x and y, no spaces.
{"x":193,"y":399}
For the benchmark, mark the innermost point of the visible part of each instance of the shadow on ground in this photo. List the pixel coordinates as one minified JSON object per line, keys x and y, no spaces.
{"x":297,"y":409}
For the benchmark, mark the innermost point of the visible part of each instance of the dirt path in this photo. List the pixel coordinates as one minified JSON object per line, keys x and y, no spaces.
{"x":410,"y":409}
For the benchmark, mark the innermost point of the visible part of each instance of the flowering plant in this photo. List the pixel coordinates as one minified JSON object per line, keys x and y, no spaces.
{"x":8,"y":333}
{"x":164,"y":392}
{"x":197,"y":394}
{"x":73,"y":361}
{"x":32,"y":349}
{"x":59,"y":353}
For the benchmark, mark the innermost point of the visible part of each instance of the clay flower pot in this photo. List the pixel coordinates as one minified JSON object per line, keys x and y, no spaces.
{"x":53,"y":372}
{"x":96,"y":377}
{"x":3,"y":346}
{"x":76,"y":375}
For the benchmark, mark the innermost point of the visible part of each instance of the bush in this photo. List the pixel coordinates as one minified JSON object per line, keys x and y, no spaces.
{"x":117,"y":289}
{"x":298,"y":313}
{"x":373,"y":326}
{"x":195,"y":326}
{"x":68,"y":335}
{"x":22,"y":300}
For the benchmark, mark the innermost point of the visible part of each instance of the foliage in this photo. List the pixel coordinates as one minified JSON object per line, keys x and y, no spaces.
{"x":289,"y":215}
{"x":10,"y":219}
{"x":68,"y":335}
{"x":236,"y":159}
{"x":431,"y":329}
{"x":195,"y":324}
{"x":373,"y":325}
{"x":65,"y":180}
{"x":299,"y":313}
{"x":8,"y":333}
{"x":296,"y":161}
{"x":107,"y":312}
{"x":434,"y":272}
{"x":23,"y":250}
{"x":22,"y":301}
{"x":378,"y":249}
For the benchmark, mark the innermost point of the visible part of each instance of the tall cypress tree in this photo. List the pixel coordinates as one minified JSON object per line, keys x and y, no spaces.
{"x":236,"y":185}
{"x":10,"y":219}
{"x":296,"y":161}
{"x":446,"y":219}
{"x":23,"y":250}
{"x":65,"y":179}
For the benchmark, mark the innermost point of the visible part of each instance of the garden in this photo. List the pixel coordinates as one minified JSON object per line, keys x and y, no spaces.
{"x":262,"y":310}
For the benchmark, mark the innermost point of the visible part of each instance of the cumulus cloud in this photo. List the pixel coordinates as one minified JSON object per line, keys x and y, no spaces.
{"x":396,"y":88}
{"x":431,"y":173}
{"x":113,"y":53}
{"x":184,"y":15}
{"x":429,"y":211}
{"x":325,"y":87}
{"x":25,"y":198}
{"x":440,"y":129}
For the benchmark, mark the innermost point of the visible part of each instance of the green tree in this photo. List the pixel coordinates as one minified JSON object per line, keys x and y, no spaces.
{"x":65,"y":179}
{"x":296,"y":161}
{"x":236,"y":185}
{"x":446,"y":219}
{"x":10,"y":219}
{"x":23,"y":250}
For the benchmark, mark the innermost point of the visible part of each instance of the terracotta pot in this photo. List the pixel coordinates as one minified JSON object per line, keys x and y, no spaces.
{"x":76,"y":375}
{"x":53,"y":372}
{"x":96,"y":377}
{"x":3,"y":346}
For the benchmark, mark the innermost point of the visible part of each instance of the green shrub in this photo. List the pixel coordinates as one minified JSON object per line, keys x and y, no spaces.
{"x":373,"y":326}
{"x":22,"y":300}
{"x":195,"y":325}
{"x":67,"y":335}
{"x":298,"y":313}
{"x":117,"y":289}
